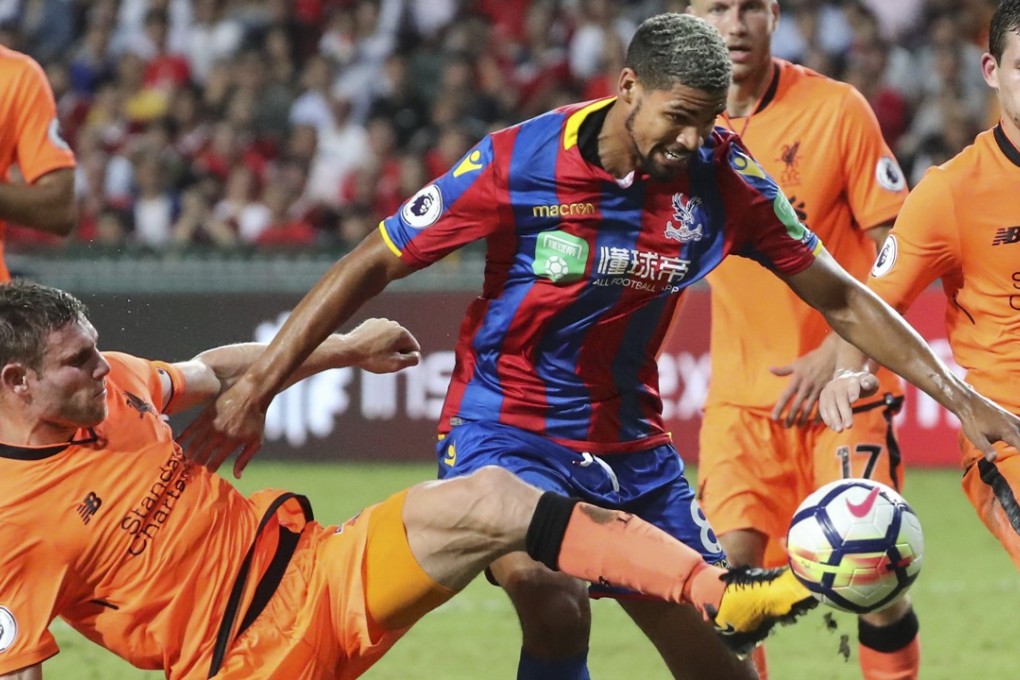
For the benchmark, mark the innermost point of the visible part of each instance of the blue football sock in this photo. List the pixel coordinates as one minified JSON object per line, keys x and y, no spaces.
{"x":529,"y":668}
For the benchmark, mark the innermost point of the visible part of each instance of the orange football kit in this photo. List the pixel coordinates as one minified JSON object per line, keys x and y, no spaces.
{"x":29,"y":130}
{"x":961,"y":224}
{"x":168,"y":566}
{"x":819,"y":139}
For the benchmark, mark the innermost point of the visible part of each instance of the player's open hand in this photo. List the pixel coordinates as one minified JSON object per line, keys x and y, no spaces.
{"x":984,"y":422}
{"x":234,"y":422}
{"x":384,"y":346}
{"x":808,"y":375}
{"x":836,"y":402}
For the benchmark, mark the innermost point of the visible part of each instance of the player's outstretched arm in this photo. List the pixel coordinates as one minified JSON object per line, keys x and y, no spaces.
{"x":30,"y":673}
{"x":235,"y":422}
{"x":864,"y":320}
{"x":377,"y":345}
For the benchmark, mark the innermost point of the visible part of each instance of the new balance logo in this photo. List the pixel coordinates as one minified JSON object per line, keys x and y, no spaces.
{"x":1006,"y":235}
{"x":89,"y":506}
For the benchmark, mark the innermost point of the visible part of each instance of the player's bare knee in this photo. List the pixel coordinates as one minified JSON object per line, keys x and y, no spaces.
{"x":550,"y":604}
{"x":502,"y":481}
{"x":494,"y":482}
{"x":539,"y":586}
{"x":486,"y":511}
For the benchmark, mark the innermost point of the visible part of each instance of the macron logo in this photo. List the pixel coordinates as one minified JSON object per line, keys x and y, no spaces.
{"x":864,"y":508}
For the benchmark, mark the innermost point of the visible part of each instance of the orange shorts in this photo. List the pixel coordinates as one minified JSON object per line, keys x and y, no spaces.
{"x":753,"y":472}
{"x":348,"y":594}
{"x":992,"y":490}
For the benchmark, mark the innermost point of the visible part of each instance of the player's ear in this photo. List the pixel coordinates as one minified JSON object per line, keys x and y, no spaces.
{"x":990,"y":70}
{"x":14,"y":378}
{"x":627,"y":85}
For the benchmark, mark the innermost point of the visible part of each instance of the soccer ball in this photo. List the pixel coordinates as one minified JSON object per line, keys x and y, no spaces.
{"x":556,"y":267}
{"x":856,"y":545}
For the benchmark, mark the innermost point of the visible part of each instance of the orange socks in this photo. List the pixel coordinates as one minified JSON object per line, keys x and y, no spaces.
{"x":903,"y":664}
{"x":760,"y":662}
{"x":890,"y":652}
{"x":619,"y":549}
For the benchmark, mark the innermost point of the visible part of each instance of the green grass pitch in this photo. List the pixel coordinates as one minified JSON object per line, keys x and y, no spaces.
{"x":964,"y":597}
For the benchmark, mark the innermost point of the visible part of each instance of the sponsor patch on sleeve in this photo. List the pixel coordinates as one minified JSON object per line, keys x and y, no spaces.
{"x":889,"y":175}
{"x":8,"y":629}
{"x":424,"y":208}
{"x":886,"y":258}
{"x":788,"y":216}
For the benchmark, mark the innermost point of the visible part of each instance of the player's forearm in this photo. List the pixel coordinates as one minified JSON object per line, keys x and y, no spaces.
{"x":879,"y":332}
{"x":213,"y":371}
{"x":356,"y":278}
{"x":849,"y":358}
{"x":229,"y":362}
{"x":46,"y":205}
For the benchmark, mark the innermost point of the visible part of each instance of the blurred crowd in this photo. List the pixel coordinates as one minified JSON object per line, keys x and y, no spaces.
{"x":280,"y":124}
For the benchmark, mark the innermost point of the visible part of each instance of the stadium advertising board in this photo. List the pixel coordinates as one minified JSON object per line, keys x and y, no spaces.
{"x":353,"y":414}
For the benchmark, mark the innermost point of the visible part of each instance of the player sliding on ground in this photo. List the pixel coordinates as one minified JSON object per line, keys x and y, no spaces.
{"x":105,"y":524}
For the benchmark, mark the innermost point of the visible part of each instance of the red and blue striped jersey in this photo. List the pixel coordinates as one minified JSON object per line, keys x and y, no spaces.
{"x":584,"y":272}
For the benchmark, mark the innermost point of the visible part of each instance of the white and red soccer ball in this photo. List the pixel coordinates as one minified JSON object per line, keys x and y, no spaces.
{"x":856,"y":545}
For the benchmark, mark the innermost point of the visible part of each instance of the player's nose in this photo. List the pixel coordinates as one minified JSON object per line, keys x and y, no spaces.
{"x":691,"y":138}
{"x":102,"y":367}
